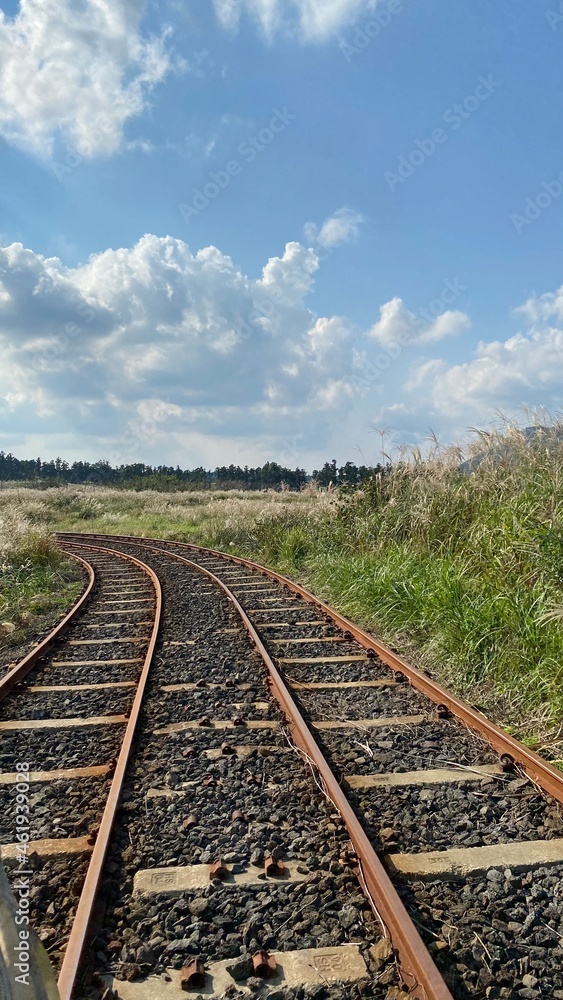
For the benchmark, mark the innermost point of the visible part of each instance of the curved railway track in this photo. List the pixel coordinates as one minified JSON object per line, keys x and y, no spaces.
{"x":85,"y":682}
{"x":283,"y":759}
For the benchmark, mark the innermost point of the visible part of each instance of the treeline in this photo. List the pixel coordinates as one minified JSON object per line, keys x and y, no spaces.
{"x":138,"y":476}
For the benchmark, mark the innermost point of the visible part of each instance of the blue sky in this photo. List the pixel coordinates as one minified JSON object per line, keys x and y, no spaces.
{"x":239,"y":230}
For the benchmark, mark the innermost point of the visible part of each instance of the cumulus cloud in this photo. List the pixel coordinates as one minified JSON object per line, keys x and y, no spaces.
{"x":155,"y":336}
{"x":76,"y":70}
{"x":155,"y":349}
{"x":398,"y":326}
{"x":339,"y":228}
{"x":311,"y":20}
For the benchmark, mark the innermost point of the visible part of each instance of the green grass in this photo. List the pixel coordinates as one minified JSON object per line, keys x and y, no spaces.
{"x":37,"y":583}
{"x":483,"y":641}
{"x":462,"y":573}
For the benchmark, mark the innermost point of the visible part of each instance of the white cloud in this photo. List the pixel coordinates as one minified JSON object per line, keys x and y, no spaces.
{"x":524,"y":370}
{"x":548,"y":306}
{"x":447,"y":324}
{"x":339,"y":228}
{"x":155,"y":340}
{"x":76,"y":70}
{"x":310,"y":20}
{"x":140,"y":145}
{"x":398,"y":326}
{"x":423,"y":373}
{"x":151,"y":351}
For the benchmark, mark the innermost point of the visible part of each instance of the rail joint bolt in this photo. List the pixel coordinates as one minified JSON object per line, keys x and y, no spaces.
{"x":264,"y":965}
{"x":193,"y":975}
{"x":273,"y":867}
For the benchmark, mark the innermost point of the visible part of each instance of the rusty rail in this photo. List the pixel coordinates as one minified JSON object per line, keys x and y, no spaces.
{"x":535,"y":767}
{"x":22,"y":668}
{"x":540,"y":771}
{"x":82,"y":920}
{"x":418,"y":970}
{"x":413,"y":956}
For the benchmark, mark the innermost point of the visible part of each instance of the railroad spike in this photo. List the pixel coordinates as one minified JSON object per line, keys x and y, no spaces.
{"x":264,"y":965}
{"x":273,"y":867}
{"x":193,"y":976}
{"x":218,"y":871}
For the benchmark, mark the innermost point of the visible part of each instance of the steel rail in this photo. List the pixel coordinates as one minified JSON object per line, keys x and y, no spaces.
{"x":418,"y":970}
{"x":539,"y":770}
{"x":17,"y":672}
{"x":76,"y":942}
{"x":535,"y":767}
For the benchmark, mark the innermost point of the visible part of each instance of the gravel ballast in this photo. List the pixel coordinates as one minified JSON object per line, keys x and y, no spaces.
{"x":503,"y":931}
{"x":51,"y":750}
{"x":283,"y":812}
{"x":497,"y":935}
{"x":56,"y":809}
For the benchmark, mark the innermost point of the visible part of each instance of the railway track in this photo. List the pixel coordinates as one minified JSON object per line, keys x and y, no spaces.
{"x":303,"y":814}
{"x":68,"y":712}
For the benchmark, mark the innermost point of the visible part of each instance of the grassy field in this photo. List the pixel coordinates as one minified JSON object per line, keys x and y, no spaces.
{"x":462,"y":572}
{"x":36,"y":583}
